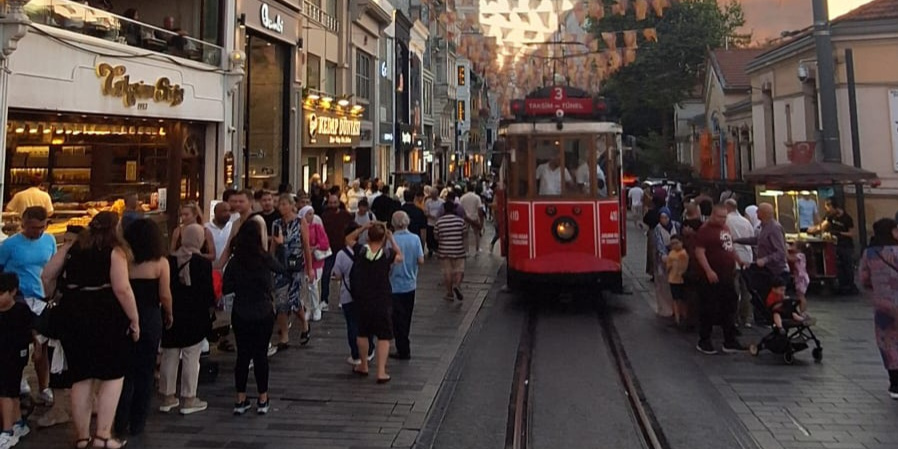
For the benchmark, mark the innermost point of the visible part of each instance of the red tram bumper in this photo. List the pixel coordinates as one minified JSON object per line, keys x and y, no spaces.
{"x":566,"y":269}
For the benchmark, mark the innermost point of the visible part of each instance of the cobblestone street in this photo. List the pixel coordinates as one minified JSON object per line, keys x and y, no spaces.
{"x":316,"y":402}
{"x":841,"y":403}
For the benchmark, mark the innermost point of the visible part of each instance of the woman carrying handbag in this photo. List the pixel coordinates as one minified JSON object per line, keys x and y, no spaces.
{"x":321,"y":249}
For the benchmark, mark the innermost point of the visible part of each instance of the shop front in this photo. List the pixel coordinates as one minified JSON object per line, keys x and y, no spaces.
{"x":385,"y":151}
{"x":269,"y":32}
{"x":362,"y":163}
{"x":93,"y":129}
{"x":330,"y":132}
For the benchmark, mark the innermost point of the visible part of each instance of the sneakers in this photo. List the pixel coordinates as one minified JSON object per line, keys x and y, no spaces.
{"x":241,"y":408}
{"x":24,"y":388}
{"x":733,"y":347}
{"x":353,"y":362}
{"x":371,"y":356}
{"x":169,"y":403}
{"x":56,"y":415}
{"x":8,"y":440}
{"x":193,"y":405}
{"x":325,"y":307}
{"x":316,"y":316}
{"x":272,"y":350}
{"x":893,"y":392}
{"x":20,"y":429}
{"x":45,"y":397}
{"x":305,"y":338}
{"x":705,"y":347}
{"x":263,"y":407}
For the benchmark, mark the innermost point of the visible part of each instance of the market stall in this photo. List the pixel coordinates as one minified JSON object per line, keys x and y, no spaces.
{"x":798,"y":191}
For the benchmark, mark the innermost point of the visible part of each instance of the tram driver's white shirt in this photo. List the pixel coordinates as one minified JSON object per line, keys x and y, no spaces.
{"x":550,"y":180}
{"x":583,"y":178}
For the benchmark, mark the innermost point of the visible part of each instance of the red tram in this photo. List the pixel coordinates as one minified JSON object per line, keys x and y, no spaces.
{"x":562,"y":207}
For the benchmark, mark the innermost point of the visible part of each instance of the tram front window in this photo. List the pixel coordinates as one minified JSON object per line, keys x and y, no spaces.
{"x":552,"y":177}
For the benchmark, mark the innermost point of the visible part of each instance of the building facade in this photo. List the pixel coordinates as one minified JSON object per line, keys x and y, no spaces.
{"x":785,"y":106}
{"x":102,"y":106}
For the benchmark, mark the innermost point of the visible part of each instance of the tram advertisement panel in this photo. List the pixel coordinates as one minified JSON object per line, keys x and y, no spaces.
{"x":519,"y":231}
{"x":609,"y":230}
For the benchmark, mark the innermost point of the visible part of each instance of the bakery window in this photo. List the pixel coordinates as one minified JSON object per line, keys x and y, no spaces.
{"x":89,"y":164}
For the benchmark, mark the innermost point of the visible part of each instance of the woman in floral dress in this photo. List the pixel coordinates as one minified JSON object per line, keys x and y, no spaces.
{"x":879,"y":273}
{"x":292,"y":249}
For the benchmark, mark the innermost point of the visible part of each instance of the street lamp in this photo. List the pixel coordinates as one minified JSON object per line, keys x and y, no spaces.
{"x":832,"y":150}
{"x":13,"y":27}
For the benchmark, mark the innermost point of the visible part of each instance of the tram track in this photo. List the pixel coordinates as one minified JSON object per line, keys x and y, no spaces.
{"x":520,"y":411}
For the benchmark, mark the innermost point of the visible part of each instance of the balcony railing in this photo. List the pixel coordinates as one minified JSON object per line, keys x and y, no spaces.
{"x":324,"y":19}
{"x":83,"y":19}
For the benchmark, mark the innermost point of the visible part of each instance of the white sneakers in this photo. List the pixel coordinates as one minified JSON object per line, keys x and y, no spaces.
{"x":193,"y":405}
{"x":169,"y":403}
{"x":316,"y":316}
{"x":8,"y":440}
{"x":45,"y":397}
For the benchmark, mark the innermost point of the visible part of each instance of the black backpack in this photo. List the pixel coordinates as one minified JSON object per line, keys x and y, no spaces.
{"x":363,"y":272}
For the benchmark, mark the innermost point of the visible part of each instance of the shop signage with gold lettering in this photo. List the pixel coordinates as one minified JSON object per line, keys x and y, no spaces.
{"x":116,"y":83}
{"x":327,"y":130}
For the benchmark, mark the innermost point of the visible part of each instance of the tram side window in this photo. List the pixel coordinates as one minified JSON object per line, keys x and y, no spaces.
{"x":551,"y":176}
{"x":577,"y":160}
{"x":608,"y":158}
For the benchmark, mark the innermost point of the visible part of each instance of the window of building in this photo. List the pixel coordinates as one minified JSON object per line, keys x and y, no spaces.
{"x":330,"y":78}
{"x":428,"y":97}
{"x":330,"y":7}
{"x":313,"y":72}
{"x":363,"y":76}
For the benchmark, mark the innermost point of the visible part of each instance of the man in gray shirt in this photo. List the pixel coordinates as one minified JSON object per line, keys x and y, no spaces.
{"x":771,"y":243}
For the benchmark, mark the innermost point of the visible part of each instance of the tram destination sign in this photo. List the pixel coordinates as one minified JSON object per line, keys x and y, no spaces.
{"x":558,"y":101}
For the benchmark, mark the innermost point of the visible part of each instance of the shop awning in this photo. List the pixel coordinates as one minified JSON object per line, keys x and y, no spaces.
{"x":810,"y":174}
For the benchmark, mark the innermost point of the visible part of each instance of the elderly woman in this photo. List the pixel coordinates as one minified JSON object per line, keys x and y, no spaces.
{"x":321,"y":249}
{"x":372,"y":293}
{"x":291,"y":248}
{"x":355,"y":193}
{"x":100,"y":320}
{"x":879,"y":273}
{"x":666,"y":228}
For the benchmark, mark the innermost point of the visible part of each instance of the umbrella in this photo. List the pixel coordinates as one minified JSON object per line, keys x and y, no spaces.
{"x":813,"y":173}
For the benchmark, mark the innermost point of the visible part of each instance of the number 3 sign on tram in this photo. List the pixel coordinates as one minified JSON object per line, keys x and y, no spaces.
{"x":558,"y":101}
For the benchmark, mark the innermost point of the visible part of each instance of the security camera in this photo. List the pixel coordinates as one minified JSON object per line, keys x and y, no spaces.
{"x":805,"y":73}
{"x":559,"y":114}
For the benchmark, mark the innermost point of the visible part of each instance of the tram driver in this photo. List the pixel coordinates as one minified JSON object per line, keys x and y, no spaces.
{"x":548,"y":175}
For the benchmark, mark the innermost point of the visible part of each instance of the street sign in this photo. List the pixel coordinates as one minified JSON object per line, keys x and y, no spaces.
{"x":558,"y":101}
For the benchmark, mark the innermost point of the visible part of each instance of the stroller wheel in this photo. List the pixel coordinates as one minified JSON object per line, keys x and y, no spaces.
{"x":753,"y":349}
{"x":788,"y":357}
{"x":817,"y":353}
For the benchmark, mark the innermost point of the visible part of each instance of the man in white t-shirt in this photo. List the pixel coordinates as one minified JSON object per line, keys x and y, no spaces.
{"x":32,"y":196}
{"x":741,"y":228}
{"x":549,"y":177}
{"x":220,"y":227}
{"x":473,"y":207}
{"x":636,"y":194}
{"x":582,"y":176}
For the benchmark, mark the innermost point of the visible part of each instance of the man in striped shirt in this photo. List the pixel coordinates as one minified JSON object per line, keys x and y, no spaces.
{"x":450,"y":233}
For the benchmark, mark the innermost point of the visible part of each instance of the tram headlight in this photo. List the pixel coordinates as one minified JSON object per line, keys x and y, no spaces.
{"x":565,"y":229}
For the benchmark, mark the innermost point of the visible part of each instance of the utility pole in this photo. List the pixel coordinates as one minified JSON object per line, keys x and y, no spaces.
{"x":856,"y":147}
{"x":832,"y":149}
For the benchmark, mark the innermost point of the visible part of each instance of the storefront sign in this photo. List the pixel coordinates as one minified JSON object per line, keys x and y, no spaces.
{"x":462,"y":79}
{"x":386,"y":137}
{"x":229,"y":168}
{"x":116,"y":83}
{"x":406,"y":138}
{"x":275,"y":24}
{"x":383,"y":69}
{"x":325,"y":130}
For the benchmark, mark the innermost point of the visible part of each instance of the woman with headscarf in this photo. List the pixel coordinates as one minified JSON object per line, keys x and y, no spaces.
{"x":192,"y":297}
{"x":320,"y":248}
{"x":879,"y":273}
{"x":751,"y":212}
{"x":665,"y":228}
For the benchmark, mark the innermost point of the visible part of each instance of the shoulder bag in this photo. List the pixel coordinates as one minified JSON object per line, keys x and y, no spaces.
{"x":320,"y":254}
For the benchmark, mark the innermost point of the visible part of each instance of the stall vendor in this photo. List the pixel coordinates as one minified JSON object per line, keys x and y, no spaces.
{"x":807,"y":212}
{"x":839,"y":224}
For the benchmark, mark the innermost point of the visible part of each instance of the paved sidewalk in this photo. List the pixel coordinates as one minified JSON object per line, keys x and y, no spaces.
{"x":840,"y":403}
{"x":316,"y":401}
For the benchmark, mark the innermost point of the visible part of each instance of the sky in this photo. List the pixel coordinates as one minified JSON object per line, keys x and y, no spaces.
{"x":768,"y":18}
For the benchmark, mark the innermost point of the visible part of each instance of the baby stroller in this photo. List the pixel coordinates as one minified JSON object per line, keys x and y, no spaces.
{"x":795,"y":334}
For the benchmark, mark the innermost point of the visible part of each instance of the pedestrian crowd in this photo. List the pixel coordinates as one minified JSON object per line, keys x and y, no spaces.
{"x":116,"y":308}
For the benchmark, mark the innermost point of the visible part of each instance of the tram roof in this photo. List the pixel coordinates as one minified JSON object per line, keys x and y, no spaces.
{"x":567,"y":128}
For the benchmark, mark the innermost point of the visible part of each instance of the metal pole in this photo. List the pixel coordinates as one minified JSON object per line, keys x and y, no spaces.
{"x":13,"y":27}
{"x":832,"y":150}
{"x":856,"y":147}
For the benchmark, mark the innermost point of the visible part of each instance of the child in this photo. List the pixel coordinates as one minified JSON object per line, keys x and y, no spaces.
{"x":677,"y":262}
{"x":777,"y":303}
{"x":798,"y":266}
{"x":15,"y":336}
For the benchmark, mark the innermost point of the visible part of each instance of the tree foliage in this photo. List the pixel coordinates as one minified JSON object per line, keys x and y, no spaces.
{"x":667,"y":72}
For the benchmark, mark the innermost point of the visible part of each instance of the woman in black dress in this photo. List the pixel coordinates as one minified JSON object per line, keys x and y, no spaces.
{"x":150,"y":282}
{"x":100,"y":323}
{"x":371,"y":291}
{"x":248,"y":277}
